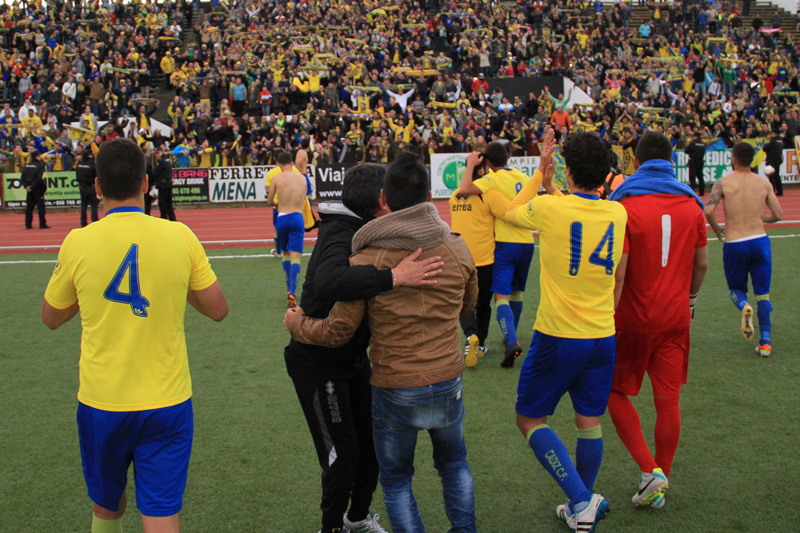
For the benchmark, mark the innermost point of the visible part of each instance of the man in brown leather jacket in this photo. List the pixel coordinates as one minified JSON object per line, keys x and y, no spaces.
{"x":415,"y":346}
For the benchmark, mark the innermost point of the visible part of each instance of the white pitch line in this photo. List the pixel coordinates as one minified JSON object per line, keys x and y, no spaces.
{"x":258,"y":256}
{"x":248,"y":241}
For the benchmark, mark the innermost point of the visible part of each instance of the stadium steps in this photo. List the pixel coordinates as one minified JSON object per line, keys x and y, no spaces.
{"x":764,"y":10}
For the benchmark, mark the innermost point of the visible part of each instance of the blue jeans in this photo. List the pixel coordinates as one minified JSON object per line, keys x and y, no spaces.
{"x":398,"y":415}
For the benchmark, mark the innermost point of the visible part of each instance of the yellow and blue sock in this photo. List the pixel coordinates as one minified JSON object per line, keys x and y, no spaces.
{"x":553,"y":455}
{"x":287,"y":267}
{"x":106,"y":526}
{"x":294,"y":274}
{"x":764,"y":310}
{"x":589,"y":454}
{"x":505,"y":319}
{"x":515,"y":302}
{"x":739,"y":298}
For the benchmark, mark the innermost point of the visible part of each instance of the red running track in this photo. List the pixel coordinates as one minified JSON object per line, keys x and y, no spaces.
{"x":232,"y":227}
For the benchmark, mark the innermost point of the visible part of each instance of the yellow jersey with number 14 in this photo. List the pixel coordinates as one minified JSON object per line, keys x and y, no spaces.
{"x":580,"y":246}
{"x":130,"y":274}
{"x":509,"y":182}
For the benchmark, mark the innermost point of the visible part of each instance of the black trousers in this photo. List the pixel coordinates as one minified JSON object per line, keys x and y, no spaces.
{"x":34,"y":199}
{"x":477,"y":322}
{"x":337,"y":405}
{"x":775,"y":179}
{"x":88,"y":198}
{"x":696,"y":177}
{"x":148,"y":203}
{"x":165,"y":204}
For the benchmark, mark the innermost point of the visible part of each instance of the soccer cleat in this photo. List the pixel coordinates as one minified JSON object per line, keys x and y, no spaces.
{"x":291,"y":302}
{"x":512,"y":352}
{"x":650,"y":486}
{"x":470,"y":355}
{"x":747,"y":322}
{"x":764,"y":350}
{"x":481,"y":351}
{"x":659,"y":501}
{"x":275,"y":252}
{"x":584,"y":521}
{"x":368,"y":525}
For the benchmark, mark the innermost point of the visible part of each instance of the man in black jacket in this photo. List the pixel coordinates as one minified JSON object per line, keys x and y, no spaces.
{"x":697,"y":154}
{"x":163,"y":180}
{"x":85,"y":173}
{"x":32,"y":180}
{"x":774,"y":151}
{"x":333,"y":384}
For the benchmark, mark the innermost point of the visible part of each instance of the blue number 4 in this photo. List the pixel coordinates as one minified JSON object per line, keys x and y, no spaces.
{"x":134,"y":296}
{"x":576,"y":244}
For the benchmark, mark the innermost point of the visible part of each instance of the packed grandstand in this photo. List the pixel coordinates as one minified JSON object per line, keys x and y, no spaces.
{"x":360,"y":81}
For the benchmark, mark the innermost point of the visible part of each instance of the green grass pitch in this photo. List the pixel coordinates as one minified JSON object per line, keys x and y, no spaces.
{"x":254,"y":469}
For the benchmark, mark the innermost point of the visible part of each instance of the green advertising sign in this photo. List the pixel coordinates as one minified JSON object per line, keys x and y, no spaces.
{"x":62,"y":189}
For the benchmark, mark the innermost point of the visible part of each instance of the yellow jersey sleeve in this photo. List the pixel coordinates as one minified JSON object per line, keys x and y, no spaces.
{"x":60,"y":292}
{"x":202,"y":277}
{"x":508,"y":182}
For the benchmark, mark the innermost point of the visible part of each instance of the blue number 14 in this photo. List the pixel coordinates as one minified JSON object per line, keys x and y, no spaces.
{"x":576,"y":244}
{"x":134,"y":296}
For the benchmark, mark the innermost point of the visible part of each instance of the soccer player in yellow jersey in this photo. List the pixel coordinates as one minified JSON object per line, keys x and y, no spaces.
{"x":129,"y":276}
{"x":573,"y":346}
{"x":513,"y":248}
{"x":474,"y":218}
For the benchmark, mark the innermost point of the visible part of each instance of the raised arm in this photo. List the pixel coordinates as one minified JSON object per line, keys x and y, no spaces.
{"x":711,"y":209}
{"x":468,"y":187}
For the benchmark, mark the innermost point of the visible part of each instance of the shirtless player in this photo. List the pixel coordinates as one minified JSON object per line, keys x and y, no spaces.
{"x":289,"y":227}
{"x":746,"y":249}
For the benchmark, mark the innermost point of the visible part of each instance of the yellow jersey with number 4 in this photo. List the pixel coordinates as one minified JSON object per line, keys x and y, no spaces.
{"x":130,"y":274}
{"x":580,"y":245}
{"x":509,"y":182}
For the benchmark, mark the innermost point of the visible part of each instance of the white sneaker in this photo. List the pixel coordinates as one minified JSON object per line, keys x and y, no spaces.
{"x":481,"y":351}
{"x":584,"y":521}
{"x":650,"y":487}
{"x":470,"y":351}
{"x":368,"y":525}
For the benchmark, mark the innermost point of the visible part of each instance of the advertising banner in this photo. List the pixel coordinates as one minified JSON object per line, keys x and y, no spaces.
{"x":329,"y":181}
{"x":242,"y":184}
{"x":62,"y":190}
{"x":720,"y":162}
{"x":190,"y":185}
{"x":448,"y":169}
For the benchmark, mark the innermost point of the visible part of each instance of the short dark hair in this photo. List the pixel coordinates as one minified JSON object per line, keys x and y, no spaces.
{"x":743,"y":154}
{"x":121,"y":168}
{"x":284,"y":158}
{"x":406,"y":183}
{"x":496,"y":154}
{"x":588,"y":159}
{"x":361,"y":189}
{"x":653,"y":145}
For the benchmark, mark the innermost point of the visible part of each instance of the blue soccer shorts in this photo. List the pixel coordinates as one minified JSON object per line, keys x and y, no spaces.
{"x":511,"y":263}
{"x":554,"y":366}
{"x":157,"y":441}
{"x":748,"y":256}
{"x":290,"y":228}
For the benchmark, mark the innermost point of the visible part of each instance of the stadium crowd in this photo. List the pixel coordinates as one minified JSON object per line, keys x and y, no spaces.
{"x":361,"y":81}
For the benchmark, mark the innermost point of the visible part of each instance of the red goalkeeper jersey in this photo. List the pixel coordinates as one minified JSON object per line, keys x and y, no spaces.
{"x":661,"y":237}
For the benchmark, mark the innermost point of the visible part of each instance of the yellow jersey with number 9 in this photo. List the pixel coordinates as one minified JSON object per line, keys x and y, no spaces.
{"x":509,"y":182}
{"x":580,"y":246}
{"x":130,"y":274}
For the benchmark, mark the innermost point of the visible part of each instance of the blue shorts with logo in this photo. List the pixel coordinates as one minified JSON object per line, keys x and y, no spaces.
{"x":556,"y":365}
{"x":157,"y":441}
{"x":751,"y":256}
{"x":290,"y":228}
{"x":511,"y":263}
